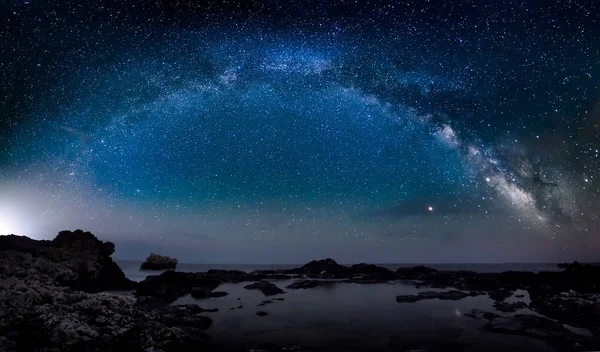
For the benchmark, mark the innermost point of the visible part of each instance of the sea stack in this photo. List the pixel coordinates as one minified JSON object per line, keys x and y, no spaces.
{"x":159,"y":262}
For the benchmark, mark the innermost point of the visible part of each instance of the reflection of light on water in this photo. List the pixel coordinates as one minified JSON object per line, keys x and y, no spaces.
{"x":457,"y":312}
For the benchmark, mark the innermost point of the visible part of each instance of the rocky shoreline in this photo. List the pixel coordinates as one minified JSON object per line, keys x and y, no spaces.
{"x":54,"y":297}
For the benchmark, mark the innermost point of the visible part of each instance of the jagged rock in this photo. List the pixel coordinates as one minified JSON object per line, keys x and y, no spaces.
{"x":443,"y":295}
{"x":158,"y":262}
{"x":266,"y":287}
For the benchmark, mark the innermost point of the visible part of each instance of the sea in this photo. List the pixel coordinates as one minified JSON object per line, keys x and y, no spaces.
{"x":354,"y":317}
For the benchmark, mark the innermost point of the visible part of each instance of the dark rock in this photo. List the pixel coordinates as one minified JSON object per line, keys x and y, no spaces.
{"x":304,"y":284}
{"x":519,"y":296}
{"x":171,"y":285}
{"x":21,"y":243}
{"x":228,"y":275}
{"x":76,"y":259}
{"x":158,"y":262}
{"x":363,"y":268}
{"x":279,"y":299}
{"x":509,"y":307}
{"x":260,"y":313}
{"x":532,"y":326}
{"x":264,"y":303}
{"x":413,"y":273}
{"x":43,"y":306}
{"x":499,"y":295}
{"x":443,"y":295}
{"x":266,"y":287}
{"x":328,"y":266}
{"x":581,"y":310}
{"x":217,"y":294}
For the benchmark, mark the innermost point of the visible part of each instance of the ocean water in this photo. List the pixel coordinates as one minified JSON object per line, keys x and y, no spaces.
{"x":353,"y":316}
{"x":133,"y":272}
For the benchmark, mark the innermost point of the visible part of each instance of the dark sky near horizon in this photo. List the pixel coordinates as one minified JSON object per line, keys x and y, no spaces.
{"x":280,"y":132}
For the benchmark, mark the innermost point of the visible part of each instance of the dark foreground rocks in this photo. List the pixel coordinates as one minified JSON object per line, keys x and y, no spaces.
{"x":49,"y":301}
{"x":158,"y":262}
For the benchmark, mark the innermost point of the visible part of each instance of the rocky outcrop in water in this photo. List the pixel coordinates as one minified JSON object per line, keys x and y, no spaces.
{"x":443,"y":295}
{"x":266,"y":287}
{"x":158,"y":262}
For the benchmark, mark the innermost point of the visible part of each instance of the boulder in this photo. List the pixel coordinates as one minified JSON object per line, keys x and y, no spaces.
{"x":158,"y":262}
{"x":266,"y":287}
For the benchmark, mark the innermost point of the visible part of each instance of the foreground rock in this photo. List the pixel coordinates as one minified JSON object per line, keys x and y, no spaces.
{"x":533,"y":326}
{"x":48,"y":301}
{"x":266,"y":287}
{"x":159,"y":262}
{"x":443,"y":295}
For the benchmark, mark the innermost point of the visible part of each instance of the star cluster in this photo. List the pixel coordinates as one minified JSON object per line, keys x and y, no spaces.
{"x":386,"y":131}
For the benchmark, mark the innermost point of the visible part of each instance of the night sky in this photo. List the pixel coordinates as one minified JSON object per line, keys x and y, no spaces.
{"x":280,"y":132}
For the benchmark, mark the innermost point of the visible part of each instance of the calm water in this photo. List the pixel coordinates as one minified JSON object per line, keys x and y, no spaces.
{"x":353,"y":315}
{"x":131,"y":267}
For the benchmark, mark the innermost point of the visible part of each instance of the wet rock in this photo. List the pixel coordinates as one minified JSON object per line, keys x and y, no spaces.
{"x":581,"y":310}
{"x":171,"y":285}
{"x":532,"y":326}
{"x":499,"y":295}
{"x":452,"y":295}
{"x":260,"y":313}
{"x":158,"y":262}
{"x":217,"y":294}
{"x":228,"y":275}
{"x":414,"y":273}
{"x":266,"y":287}
{"x":264,"y":303}
{"x":305,"y":284}
{"x":509,"y":307}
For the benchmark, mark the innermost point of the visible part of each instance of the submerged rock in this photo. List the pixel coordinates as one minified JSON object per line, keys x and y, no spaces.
{"x":158,"y":262}
{"x":266,"y":287}
{"x":260,"y":313}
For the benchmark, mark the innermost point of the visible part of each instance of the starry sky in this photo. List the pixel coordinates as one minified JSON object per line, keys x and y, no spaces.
{"x":279,"y":132}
